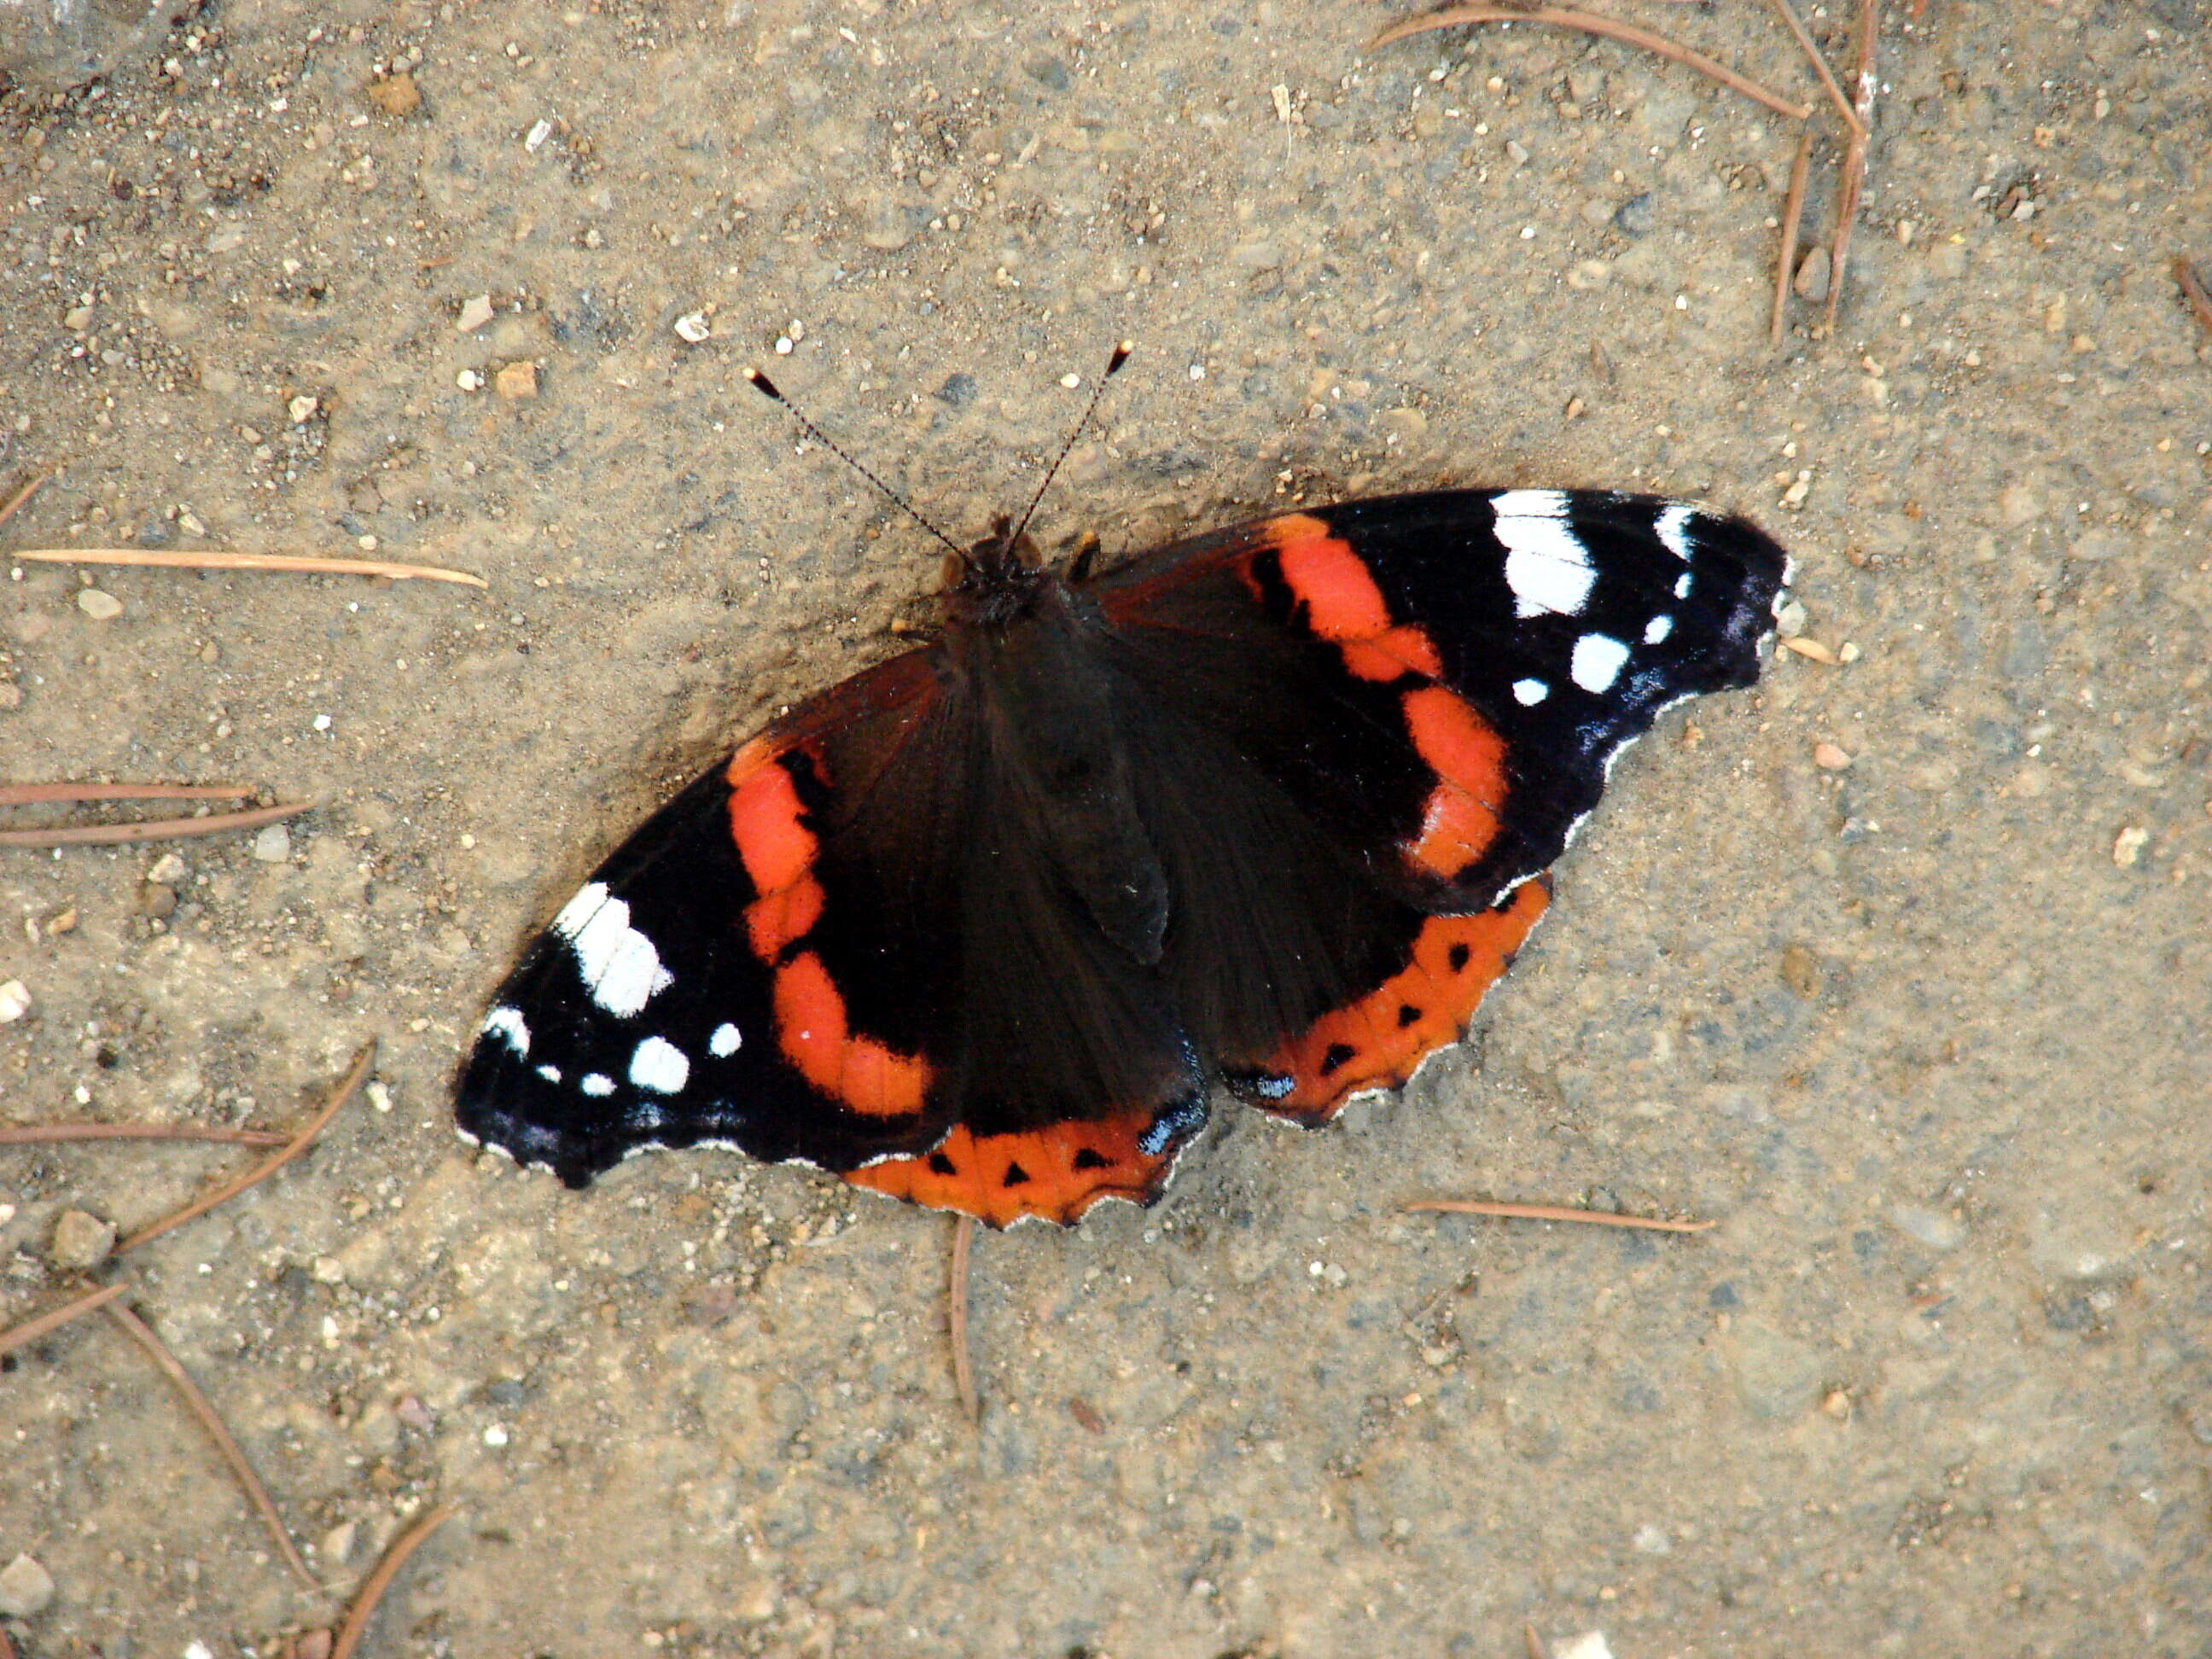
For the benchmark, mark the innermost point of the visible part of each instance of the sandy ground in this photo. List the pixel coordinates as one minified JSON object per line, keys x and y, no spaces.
{"x":1925,"y":1033}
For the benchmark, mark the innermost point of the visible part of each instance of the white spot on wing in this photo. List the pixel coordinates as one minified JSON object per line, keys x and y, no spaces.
{"x":1546,"y":565}
{"x":618,"y":964}
{"x":724,"y":1041}
{"x":1529,"y":693}
{"x":597,"y":1083}
{"x":508,"y":1023}
{"x":660,"y":1065}
{"x":1657,"y":630}
{"x":1674,"y":528}
{"x":1596,"y":661}
{"x":550,"y":1073}
{"x":1682,"y":585}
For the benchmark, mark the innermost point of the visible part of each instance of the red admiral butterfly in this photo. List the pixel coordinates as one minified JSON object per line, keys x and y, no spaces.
{"x":1271,"y":808}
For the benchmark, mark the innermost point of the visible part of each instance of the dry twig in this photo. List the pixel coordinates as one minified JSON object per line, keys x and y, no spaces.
{"x":1628,"y":33}
{"x":210,"y":560}
{"x":39,"y":794}
{"x":1793,"y":214}
{"x":21,"y":496}
{"x":40,"y":1135}
{"x":373,"y":1588}
{"x":262,"y":1171}
{"x":1820,"y":65}
{"x":257,"y":1494}
{"x":32,"y":1329}
{"x":964,"y":1369}
{"x":2193,"y":290}
{"x":1554,"y":1212}
{"x":1853,"y":182}
{"x":114,"y":834}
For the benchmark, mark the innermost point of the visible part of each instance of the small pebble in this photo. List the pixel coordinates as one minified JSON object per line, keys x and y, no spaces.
{"x":1830,"y":759}
{"x":2128,"y":845}
{"x":395,"y":94}
{"x":99,"y":606}
{"x":82,"y":1242}
{"x":1937,"y":1229}
{"x":1813,"y":649}
{"x":273,"y":845}
{"x":1791,"y":620}
{"x":302,"y":410}
{"x":15,"y":1001}
{"x":692,"y":326}
{"x":516,"y":381}
{"x":338,"y":1542}
{"x":1636,"y":216}
{"x":157,"y":899}
{"x":26,"y":1588}
{"x":469,"y":380}
{"x":474,"y":313}
{"x":1812,"y":279}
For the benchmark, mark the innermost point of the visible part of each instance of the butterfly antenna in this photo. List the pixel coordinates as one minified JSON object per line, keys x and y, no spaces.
{"x":1120,"y":356}
{"x":767,"y":388}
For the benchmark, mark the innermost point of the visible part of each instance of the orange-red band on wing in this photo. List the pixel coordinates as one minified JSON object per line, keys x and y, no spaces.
{"x":812,"y":1027}
{"x":1460,"y":819}
{"x":1376,"y":1041}
{"x":1056,"y":1173}
{"x":1343,"y":603}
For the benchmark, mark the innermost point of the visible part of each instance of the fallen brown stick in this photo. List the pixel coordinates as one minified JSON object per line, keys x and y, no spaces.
{"x":1627,"y":34}
{"x":149,"y":556}
{"x":1793,"y":214}
{"x":39,"y":794}
{"x":963,"y":1368}
{"x":256,"y":1493}
{"x":262,"y":1171}
{"x":373,"y":1588}
{"x":114,"y":834}
{"x":40,"y":1134}
{"x":1554,"y":1212}
{"x":32,"y":1329}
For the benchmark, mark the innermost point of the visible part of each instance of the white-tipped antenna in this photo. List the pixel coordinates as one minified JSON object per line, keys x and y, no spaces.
{"x":1120,"y":356}
{"x":767,"y":388}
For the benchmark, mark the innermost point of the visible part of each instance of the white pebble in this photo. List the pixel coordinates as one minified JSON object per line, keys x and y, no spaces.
{"x":783,"y":345}
{"x":476,"y":312}
{"x":495,"y":1435}
{"x":15,"y":1001}
{"x":322,"y":722}
{"x":273,"y":845}
{"x":99,"y":606}
{"x":537,"y":135}
{"x":469,"y":380}
{"x":692,"y":326}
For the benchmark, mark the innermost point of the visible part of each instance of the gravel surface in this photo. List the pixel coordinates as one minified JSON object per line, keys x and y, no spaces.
{"x":1897,"y":967}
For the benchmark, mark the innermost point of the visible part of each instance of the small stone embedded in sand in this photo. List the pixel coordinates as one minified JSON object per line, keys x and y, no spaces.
{"x":82,"y":1242}
{"x":395,"y":94}
{"x":476,"y":312}
{"x":26,"y":1588}
{"x":2128,"y":845}
{"x":469,"y":380}
{"x":1812,"y":279}
{"x":15,"y":1001}
{"x":1829,"y":758}
{"x":99,"y":605}
{"x":516,"y":381}
{"x":170,"y":868}
{"x":692,"y":326}
{"x":273,"y":845}
{"x":301,"y":410}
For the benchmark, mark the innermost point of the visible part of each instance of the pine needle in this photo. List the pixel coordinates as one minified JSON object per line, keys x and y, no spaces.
{"x":256,"y":1493}
{"x":1554,"y":1212}
{"x":963,"y":1368}
{"x":373,"y":1588}
{"x":1628,"y":33}
{"x":40,"y":1135}
{"x":210,"y":560}
{"x":262,"y":1171}
{"x":1793,"y":216}
{"x":32,"y":1329}
{"x":115,"y":835}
